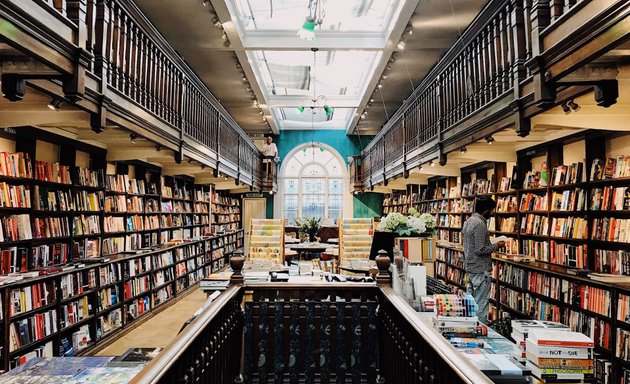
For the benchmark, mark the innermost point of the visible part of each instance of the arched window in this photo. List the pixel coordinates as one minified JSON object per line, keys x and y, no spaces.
{"x":312,"y":184}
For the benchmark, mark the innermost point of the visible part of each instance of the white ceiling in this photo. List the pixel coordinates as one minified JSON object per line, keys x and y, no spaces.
{"x":267,"y":72}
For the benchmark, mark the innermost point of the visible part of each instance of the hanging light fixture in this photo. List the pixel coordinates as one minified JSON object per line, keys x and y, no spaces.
{"x":313,"y":19}
{"x":316,"y":103}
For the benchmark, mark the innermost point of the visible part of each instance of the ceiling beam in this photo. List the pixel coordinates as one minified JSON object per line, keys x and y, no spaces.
{"x":17,"y":118}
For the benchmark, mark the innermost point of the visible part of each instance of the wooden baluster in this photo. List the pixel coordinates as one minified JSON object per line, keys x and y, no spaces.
{"x":90,"y":20}
{"x":60,"y":6}
{"x":493,"y":51}
{"x":478,"y":83}
{"x":503,"y":52}
{"x":102,"y":44}
{"x":487,"y":76}
{"x":122,"y":78}
{"x":556,"y":8}
{"x":568,"y":4}
{"x":133,"y":62}
{"x":144,"y":72}
{"x":115,"y":42}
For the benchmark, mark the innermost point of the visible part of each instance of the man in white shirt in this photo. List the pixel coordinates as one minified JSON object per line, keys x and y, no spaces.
{"x":269,"y":151}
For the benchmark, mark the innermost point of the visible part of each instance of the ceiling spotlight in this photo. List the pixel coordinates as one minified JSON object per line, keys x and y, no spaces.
{"x":271,"y":192}
{"x":432,"y":163}
{"x":225,"y":177}
{"x":307,"y":32}
{"x":409,"y":31}
{"x":401,"y":45}
{"x":489,"y":139}
{"x":384,"y":76}
{"x":371,"y":100}
{"x":573,"y":105}
{"x":238,"y":65}
{"x":227,"y":43}
{"x":216,"y":22}
{"x":190,"y":161}
{"x":565,"y":108}
{"x":248,"y":89}
{"x":261,"y":112}
{"x":380,"y":85}
{"x":420,"y":167}
{"x":224,"y":35}
{"x":158,"y":147}
{"x":205,"y":3}
{"x":54,"y":104}
{"x":253,"y":97}
{"x":133,"y":137}
{"x":463,"y":149}
{"x":264,"y":118}
{"x":244,"y":78}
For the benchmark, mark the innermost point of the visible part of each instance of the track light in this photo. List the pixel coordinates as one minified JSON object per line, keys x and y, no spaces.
{"x":420,"y":167}
{"x":463,"y":149}
{"x":133,"y":137}
{"x":401,"y":45}
{"x":216,"y":22}
{"x":380,"y":85}
{"x":371,"y":100}
{"x":224,"y":35}
{"x":205,"y":3}
{"x":227,"y":43}
{"x":54,"y":104}
{"x":565,"y":108}
{"x":190,"y":161}
{"x":253,"y":97}
{"x":432,"y":163}
{"x":271,"y":192}
{"x":409,"y":31}
{"x":489,"y":139}
{"x":158,"y":147}
{"x":573,"y":105}
{"x":244,"y":78}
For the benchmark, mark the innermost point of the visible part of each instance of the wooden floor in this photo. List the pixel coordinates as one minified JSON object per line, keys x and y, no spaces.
{"x":160,"y":329}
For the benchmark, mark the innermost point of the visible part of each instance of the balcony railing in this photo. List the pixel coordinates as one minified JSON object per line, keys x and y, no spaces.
{"x":310,"y":333}
{"x":110,"y":56}
{"x":501,"y":70}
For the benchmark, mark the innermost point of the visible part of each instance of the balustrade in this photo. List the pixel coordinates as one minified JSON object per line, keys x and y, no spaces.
{"x":127,"y":58}
{"x":502,"y":67}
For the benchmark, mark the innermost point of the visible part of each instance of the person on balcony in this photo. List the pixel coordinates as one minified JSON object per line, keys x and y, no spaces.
{"x":477,"y":254}
{"x":270,"y":152}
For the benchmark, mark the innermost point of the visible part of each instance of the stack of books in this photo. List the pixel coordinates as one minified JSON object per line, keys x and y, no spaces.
{"x":456,"y":319}
{"x":557,"y":355}
{"x":520,"y":331}
{"x":217,"y":281}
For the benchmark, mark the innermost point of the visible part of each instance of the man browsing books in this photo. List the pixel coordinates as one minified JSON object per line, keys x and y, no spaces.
{"x":477,"y":252}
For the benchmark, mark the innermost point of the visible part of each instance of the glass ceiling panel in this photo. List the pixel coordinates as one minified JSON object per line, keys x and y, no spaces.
{"x":339,"y":15}
{"x":289,"y":115}
{"x":337,"y":73}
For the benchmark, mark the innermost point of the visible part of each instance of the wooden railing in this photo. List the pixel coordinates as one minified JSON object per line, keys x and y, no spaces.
{"x":207,"y":351}
{"x":310,"y":333}
{"x":412,"y":352}
{"x":319,"y":333}
{"x":121,"y":64}
{"x":503,"y":70}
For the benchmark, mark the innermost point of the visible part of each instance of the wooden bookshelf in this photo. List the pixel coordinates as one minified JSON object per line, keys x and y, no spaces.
{"x":61,"y":215}
{"x":226,"y":212}
{"x":558,"y":211}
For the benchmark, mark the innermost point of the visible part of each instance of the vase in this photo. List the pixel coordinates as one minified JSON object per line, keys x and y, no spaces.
{"x":311,"y":237}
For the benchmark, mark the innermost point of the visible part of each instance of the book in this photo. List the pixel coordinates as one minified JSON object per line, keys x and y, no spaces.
{"x":556,"y":338}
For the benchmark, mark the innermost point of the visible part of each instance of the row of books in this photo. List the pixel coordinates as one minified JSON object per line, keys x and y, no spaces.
{"x":612,"y":168}
{"x":52,"y":172}
{"x":567,"y":174}
{"x":14,"y":196}
{"x":611,"y":229}
{"x":16,"y":165}
{"x":610,"y":198}
{"x":569,"y":200}
{"x":32,"y":328}
{"x":616,"y":262}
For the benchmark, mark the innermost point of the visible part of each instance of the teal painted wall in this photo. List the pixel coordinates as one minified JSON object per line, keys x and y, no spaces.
{"x":366,"y":204}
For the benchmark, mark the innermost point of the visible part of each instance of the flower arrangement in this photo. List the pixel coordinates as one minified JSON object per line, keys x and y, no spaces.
{"x":309,"y":227}
{"x":416,"y":224}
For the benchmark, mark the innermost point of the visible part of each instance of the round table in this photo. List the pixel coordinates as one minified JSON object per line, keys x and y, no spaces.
{"x":309,"y":248}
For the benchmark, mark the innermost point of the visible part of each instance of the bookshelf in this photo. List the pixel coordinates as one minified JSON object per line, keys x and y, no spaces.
{"x":226,"y":212}
{"x":80,"y":247}
{"x":564,"y":207}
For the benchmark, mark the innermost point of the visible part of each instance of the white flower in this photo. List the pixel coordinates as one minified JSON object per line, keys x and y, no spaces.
{"x":417,"y":224}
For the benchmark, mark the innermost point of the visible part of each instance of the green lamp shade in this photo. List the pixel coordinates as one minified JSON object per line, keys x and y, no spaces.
{"x":307,"y":32}
{"x":329,"y":111}
{"x":301,"y":109}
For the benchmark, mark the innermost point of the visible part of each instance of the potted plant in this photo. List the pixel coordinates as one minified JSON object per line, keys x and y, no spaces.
{"x":309,"y":227}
